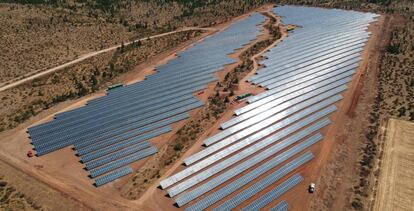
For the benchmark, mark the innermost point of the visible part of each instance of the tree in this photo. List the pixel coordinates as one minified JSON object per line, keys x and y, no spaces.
{"x":231,"y":92}
{"x":226,"y":99}
{"x":94,"y":81}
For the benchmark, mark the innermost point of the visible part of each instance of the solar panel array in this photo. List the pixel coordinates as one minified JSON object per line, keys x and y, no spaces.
{"x":282,"y":206}
{"x":304,"y":76}
{"x":111,"y":132}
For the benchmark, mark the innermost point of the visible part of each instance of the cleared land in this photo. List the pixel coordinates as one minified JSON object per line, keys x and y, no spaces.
{"x":48,"y":33}
{"x":298,"y":198}
{"x":89,"y":55}
{"x":347,"y":136}
{"x":396,"y":181}
{"x":76,"y":185}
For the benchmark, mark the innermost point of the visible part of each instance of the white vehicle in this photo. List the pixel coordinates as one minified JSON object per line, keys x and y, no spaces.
{"x":312,"y":187}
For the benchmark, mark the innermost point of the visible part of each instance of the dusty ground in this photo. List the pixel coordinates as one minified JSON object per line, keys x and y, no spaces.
{"x":52,"y":170}
{"x":154,"y":198}
{"x":27,"y":192}
{"x":396,"y":181}
{"x":33,"y":76}
{"x":337,"y":165}
{"x":76,"y":186}
{"x":334,"y":141}
{"x":47,"y":35}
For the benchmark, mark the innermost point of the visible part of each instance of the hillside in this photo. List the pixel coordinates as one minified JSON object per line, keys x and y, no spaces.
{"x":47,"y":33}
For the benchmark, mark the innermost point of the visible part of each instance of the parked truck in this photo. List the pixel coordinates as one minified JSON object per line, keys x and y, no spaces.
{"x":115,"y":86}
{"x":243,"y":96}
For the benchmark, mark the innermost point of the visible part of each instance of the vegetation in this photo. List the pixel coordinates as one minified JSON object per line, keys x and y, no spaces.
{"x":393,"y":99}
{"x":12,"y":199}
{"x":187,"y":135}
{"x":22,"y":102}
{"x":395,"y":85}
{"x":45,"y":33}
{"x":246,"y":66}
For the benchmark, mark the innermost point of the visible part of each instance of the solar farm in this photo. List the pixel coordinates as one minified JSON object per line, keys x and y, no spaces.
{"x":111,"y":132}
{"x":261,"y":154}
{"x":305,"y":76}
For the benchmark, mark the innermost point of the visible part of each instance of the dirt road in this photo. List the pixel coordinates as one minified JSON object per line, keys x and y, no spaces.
{"x":9,"y":84}
{"x":76,"y":186}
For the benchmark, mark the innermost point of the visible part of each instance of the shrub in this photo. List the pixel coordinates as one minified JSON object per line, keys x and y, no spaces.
{"x":178,"y":147}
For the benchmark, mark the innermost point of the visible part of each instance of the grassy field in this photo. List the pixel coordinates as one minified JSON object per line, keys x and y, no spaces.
{"x":27,"y":100}
{"x":45,"y":34}
{"x":396,"y":181}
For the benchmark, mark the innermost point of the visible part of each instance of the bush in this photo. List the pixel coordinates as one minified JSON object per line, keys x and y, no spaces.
{"x":357,"y":205}
{"x":393,"y":49}
{"x":178,"y":147}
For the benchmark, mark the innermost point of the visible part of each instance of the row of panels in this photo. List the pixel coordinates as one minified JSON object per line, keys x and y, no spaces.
{"x":112,"y":131}
{"x":304,"y":76}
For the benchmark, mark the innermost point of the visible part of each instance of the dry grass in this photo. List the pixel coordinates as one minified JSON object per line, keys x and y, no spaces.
{"x":12,"y":199}
{"x":22,"y":102}
{"x":217,"y":103}
{"x":44,"y":36}
{"x":396,"y":181}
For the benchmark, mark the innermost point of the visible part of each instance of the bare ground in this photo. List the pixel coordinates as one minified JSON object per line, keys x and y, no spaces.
{"x":396,"y":180}
{"x":51,"y":172}
{"x":338,"y":165}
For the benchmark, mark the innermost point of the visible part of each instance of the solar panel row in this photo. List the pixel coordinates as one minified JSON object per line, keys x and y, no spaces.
{"x":112,"y":131}
{"x":243,"y":143}
{"x":304,"y":76}
{"x":113,"y":176}
{"x":282,"y":206}
{"x":215,"y":182}
{"x":264,"y":199}
{"x":246,"y":179}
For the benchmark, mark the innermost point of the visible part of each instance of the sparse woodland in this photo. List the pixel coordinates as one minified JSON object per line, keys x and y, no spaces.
{"x":12,"y":199}
{"x":22,"y":102}
{"x":216,"y":105}
{"x":40,"y":34}
{"x":46,"y":33}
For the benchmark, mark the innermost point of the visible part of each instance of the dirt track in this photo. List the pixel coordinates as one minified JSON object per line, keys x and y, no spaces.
{"x":39,"y":74}
{"x":53,"y":169}
{"x":396,"y":182}
{"x":154,"y":198}
{"x":337,"y":164}
{"x":77,"y":186}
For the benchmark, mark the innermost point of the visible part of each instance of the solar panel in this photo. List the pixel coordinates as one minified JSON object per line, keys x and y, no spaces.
{"x":274,"y":193}
{"x":308,"y":69}
{"x":231,"y":173}
{"x":241,"y":144}
{"x":282,"y":206}
{"x":113,"y":176}
{"x":246,"y":179}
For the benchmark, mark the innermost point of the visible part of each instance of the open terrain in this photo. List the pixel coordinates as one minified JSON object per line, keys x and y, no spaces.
{"x":80,"y":28}
{"x":348,"y":161}
{"x":385,"y":91}
{"x":76,"y":185}
{"x":396,"y":180}
{"x":92,"y":54}
{"x":46,"y":34}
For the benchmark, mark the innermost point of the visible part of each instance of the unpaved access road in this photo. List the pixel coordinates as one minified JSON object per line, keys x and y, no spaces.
{"x":92,"y":54}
